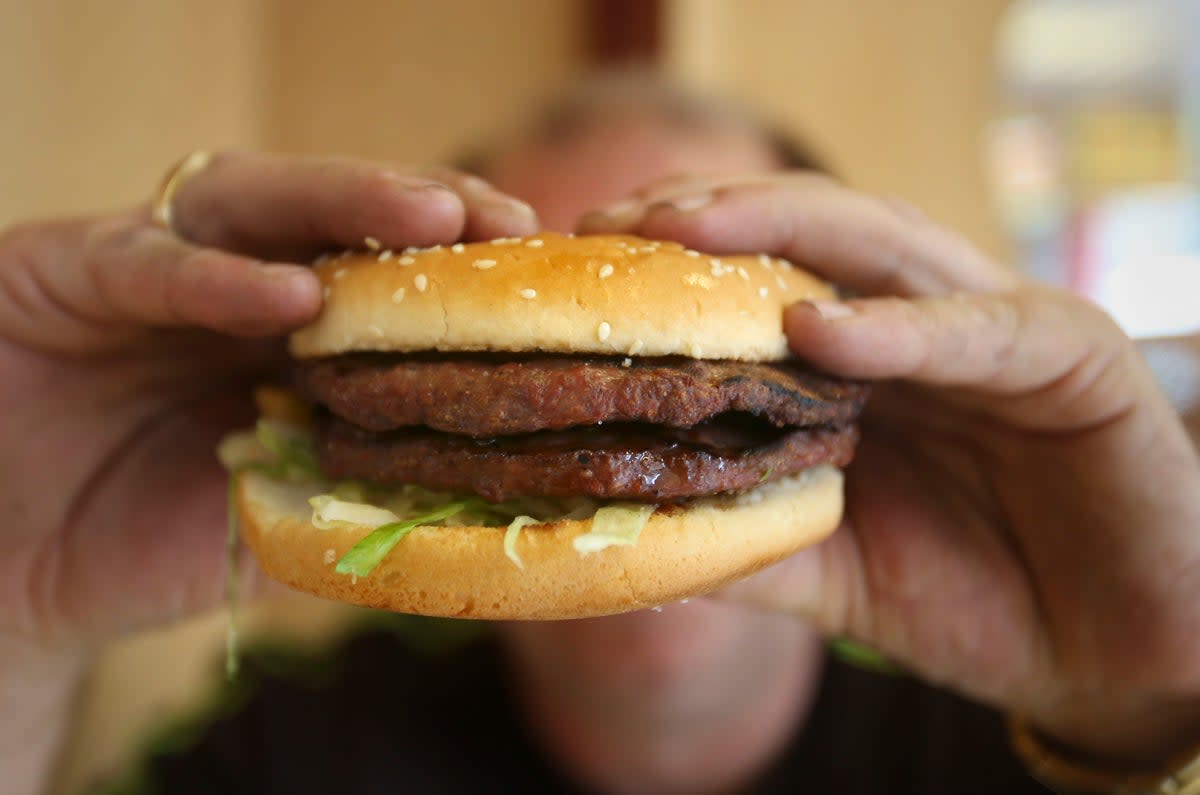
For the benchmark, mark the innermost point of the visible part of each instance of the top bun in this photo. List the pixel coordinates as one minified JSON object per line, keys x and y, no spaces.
{"x":609,"y":295}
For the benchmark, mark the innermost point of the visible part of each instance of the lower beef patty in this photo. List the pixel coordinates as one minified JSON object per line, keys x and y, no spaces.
{"x":634,"y":462}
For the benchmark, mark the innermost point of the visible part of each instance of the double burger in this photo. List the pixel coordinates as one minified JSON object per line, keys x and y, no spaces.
{"x":545,"y":427}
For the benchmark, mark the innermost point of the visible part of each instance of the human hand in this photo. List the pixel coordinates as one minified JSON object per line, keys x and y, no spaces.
{"x":1022,"y":516}
{"x":128,"y":351}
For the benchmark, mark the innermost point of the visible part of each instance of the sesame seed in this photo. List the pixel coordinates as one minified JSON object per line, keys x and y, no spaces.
{"x":411,"y":250}
{"x":696,"y":350}
{"x":716,"y":271}
{"x":691,"y":252}
{"x":457,"y":248}
{"x":716,"y":263}
{"x":742,"y":272}
{"x":648,"y":249}
{"x":421,"y":282}
{"x":384,"y":255}
{"x":603,"y":330}
{"x":728,"y":269}
{"x":505,"y":241}
{"x":606,"y":270}
{"x":636,"y":347}
{"x":535,"y":243}
{"x":626,"y":362}
{"x":339,"y":273}
{"x":432,"y":249}
{"x":762,"y":292}
{"x":407,"y":260}
{"x":398,"y":296}
{"x":372,"y":243}
{"x":330,"y":556}
{"x":528,"y":293}
{"x":764,"y":260}
{"x":483,"y":264}
{"x":376,"y":330}
{"x":779,"y":280}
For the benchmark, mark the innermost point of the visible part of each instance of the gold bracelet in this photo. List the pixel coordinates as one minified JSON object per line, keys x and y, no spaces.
{"x":1063,"y":775}
{"x":162,"y":208}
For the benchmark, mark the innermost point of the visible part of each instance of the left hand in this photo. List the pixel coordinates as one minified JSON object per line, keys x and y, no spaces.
{"x":1023,"y":516}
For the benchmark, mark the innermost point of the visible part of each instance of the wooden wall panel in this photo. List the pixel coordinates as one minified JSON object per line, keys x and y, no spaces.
{"x":413,"y":80}
{"x":895,"y":93}
{"x":98,"y":98}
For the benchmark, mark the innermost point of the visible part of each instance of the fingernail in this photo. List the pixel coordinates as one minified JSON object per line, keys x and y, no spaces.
{"x":907,"y":210}
{"x":434,"y":186}
{"x":832,"y":310}
{"x":687,"y":204}
{"x":476,"y":186}
{"x":281,"y":271}
{"x":522,"y":208}
{"x":626,"y":209}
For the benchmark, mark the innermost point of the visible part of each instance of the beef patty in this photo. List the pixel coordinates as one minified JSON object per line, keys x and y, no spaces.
{"x":655,"y":429}
{"x":629,"y":462}
{"x":483,"y":397}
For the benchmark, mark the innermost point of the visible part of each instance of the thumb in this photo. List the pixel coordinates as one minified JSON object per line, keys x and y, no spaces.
{"x":1035,"y":358}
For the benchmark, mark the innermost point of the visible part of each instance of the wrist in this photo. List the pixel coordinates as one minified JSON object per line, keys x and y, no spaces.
{"x":37,"y":690}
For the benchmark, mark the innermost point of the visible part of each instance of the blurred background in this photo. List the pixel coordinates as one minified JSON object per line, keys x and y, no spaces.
{"x":1060,"y":135}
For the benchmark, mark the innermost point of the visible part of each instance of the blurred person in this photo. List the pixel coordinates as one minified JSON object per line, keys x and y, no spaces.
{"x":1021,"y":525}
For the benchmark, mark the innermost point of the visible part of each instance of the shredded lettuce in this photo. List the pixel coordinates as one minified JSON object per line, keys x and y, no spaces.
{"x":295,"y":454}
{"x":329,"y":513}
{"x":614,"y":525}
{"x":510,"y":538}
{"x":232,"y":535}
{"x":284,"y":451}
{"x":364,"y":556}
{"x":861,"y":656}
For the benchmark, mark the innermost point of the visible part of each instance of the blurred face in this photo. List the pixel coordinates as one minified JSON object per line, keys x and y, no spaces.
{"x":687,"y":665}
{"x":610,"y":160}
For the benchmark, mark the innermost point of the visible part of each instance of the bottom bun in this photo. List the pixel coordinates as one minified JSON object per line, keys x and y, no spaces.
{"x":684,"y":550}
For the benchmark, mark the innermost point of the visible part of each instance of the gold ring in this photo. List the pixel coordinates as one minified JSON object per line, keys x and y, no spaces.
{"x":163,"y":208}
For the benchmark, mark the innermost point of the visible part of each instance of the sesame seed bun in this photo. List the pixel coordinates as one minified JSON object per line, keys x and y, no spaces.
{"x":463,"y":571}
{"x":612,"y":295}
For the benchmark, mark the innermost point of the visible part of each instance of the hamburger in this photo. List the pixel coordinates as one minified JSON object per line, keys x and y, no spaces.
{"x":542,"y":428}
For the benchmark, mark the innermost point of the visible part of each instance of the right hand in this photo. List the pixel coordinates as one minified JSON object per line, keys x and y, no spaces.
{"x":126,"y":352}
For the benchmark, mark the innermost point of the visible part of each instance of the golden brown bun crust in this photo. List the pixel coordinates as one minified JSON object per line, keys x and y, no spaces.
{"x":616,"y":295}
{"x":463,"y":571}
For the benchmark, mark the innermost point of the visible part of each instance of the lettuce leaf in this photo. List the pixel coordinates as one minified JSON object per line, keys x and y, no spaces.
{"x":614,"y":525}
{"x":364,"y":556}
{"x":510,"y":538}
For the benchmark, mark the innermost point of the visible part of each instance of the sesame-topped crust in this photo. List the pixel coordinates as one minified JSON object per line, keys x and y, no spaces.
{"x":610,"y":295}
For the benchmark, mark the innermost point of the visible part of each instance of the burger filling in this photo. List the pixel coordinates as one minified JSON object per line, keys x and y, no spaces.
{"x":646,"y":430}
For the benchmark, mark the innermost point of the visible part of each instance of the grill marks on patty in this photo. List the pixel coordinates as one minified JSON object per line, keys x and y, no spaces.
{"x":485,"y":397}
{"x":655,"y":429}
{"x":620,"y":462}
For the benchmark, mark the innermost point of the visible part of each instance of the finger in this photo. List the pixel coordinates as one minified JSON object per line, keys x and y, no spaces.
{"x":281,"y":207}
{"x":623,"y":215}
{"x":1061,"y":363}
{"x":489,"y":212}
{"x":871,"y":246}
{"x":82,"y":285}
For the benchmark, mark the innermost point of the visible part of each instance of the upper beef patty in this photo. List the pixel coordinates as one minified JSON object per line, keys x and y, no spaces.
{"x":483,"y":397}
